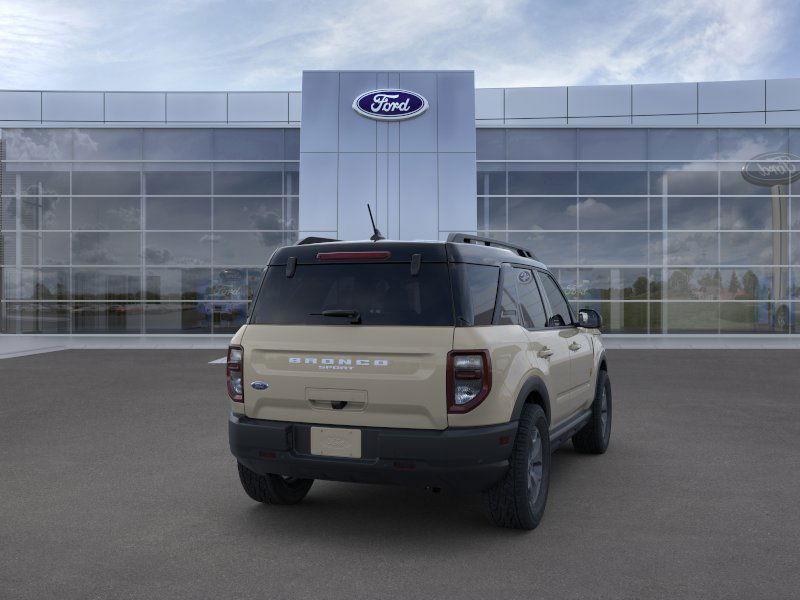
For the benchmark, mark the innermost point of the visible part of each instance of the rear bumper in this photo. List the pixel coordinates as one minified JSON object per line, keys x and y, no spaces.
{"x":466,"y":459}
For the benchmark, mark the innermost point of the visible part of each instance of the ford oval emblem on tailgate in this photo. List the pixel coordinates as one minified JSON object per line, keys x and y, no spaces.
{"x":259,"y":385}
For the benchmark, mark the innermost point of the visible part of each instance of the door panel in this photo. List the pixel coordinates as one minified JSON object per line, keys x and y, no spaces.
{"x":582,"y":354}
{"x":556,"y":366}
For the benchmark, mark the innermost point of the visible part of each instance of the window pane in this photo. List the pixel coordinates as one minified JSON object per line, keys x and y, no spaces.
{"x":178,"y":248}
{"x":612,"y":213}
{"x":174,"y":212}
{"x":105,"y":317}
{"x":291,"y":144}
{"x":613,"y":248}
{"x":36,"y":317}
{"x":750,"y":248}
{"x":755,"y":283}
{"x":692,"y":213}
{"x":229,"y":317}
{"x":733,"y":182}
{"x":106,"y":284}
{"x":178,"y":183}
{"x":178,"y":284}
{"x":38,"y":144}
{"x":542,"y":213}
{"x":693,"y":284}
{"x":291,"y":179}
{"x":746,"y":144}
{"x":105,"y":248}
{"x":8,"y":214}
{"x":178,"y":144}
{"x":522,"y":181}
{"x":621,"y":317}
{"x":176,"y":317}
{"x":44,"y":212}
{"x":613,"y":284}
{"x":36,"y":183}
{"x":49,"y":248}
{"x":691,"y":317}
{"x":490,"y":144}
{"x":251,"y":182}
{"x":36,"y":284}
{"x":683,"y":183}
{"x":118,"y":183}
{"x":475,"y":291}
{"x":491,"y":179}
{"x":245,"y":248}
{"x":107,"y":144}
{"x":530,"y":300}
{"x":248,"y":144}
{"x":747,"y":317}
{"x":248,"y":213}
{"x":541,"y":144}
{"x":509,"y":314}
{"x":559,"y":307}
{"x":682,"y":144}
{"x":235,"y":283}
{"x":105,"y":213}
{"x":550,"y":248}
{"x":613,"y":182}
{"x":754,"y":213}
{"x":491,"y":213}
{"x":609,"y":144}
{"x":692,"y":248}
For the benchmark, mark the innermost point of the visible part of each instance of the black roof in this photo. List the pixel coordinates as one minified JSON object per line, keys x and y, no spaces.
{"x":402,"y":251}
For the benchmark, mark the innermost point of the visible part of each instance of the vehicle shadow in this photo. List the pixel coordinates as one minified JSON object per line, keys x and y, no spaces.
{"x":365,"y":513}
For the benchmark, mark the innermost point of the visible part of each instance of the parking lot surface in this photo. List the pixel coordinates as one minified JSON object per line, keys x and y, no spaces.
{"x":116,"y":482}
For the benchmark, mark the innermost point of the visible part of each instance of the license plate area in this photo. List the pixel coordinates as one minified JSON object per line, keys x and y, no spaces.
{"x":336,"y":441}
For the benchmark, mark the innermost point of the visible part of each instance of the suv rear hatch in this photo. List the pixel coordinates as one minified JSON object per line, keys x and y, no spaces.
{"x":351,"y":337}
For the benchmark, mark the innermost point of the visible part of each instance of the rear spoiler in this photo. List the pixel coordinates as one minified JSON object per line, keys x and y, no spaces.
{"x":315,"y":240}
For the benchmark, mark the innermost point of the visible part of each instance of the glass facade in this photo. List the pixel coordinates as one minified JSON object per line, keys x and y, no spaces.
{"x":656,"y":229}
{"x":141,"y":230}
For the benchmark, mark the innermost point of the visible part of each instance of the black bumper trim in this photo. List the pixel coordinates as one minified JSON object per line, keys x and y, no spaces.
{"x":462,"y":459}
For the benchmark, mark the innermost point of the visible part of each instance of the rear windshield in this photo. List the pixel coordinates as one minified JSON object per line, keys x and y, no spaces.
{"x":382,"y":294}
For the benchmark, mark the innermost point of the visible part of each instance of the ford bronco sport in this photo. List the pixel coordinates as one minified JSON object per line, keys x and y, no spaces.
{"x":457,"y":365}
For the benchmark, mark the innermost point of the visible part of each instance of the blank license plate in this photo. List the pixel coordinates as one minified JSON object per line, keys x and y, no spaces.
{"x":335,"y":441}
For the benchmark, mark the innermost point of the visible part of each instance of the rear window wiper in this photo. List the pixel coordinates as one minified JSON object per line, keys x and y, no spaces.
{"x":353,"y":315}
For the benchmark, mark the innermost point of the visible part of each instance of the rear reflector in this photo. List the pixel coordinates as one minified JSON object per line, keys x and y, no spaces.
{"x":370,"y":255}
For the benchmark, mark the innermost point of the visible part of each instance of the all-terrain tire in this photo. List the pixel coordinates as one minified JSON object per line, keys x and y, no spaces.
{"x":273,"y":489}
{"x":518,"y":501}
{"x":595,"y":435}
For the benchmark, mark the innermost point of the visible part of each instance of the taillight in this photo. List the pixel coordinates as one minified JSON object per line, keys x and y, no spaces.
{"x":235,"y":374}
{"x":469,"y":379}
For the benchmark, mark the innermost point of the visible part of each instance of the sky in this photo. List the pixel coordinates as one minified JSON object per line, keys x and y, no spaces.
{"x":264,"y":45}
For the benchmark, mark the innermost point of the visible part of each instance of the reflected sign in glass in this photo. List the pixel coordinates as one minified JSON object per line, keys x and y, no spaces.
{"x":390,"y":104}
{"x":772,"y":168}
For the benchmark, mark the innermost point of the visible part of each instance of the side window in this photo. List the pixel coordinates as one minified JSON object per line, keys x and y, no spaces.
{"x":475,"y":292}
{"x":508,"y":298}
{"x":530,"y":301}
{"x":560,"y":307}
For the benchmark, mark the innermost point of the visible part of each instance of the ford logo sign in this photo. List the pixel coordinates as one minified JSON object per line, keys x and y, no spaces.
{"x":772,"y":168}
{"x":390,"y":105}
{"x":259,"y":385}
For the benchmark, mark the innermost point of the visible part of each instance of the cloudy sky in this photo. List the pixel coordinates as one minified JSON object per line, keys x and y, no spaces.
{"x":252,"y":45}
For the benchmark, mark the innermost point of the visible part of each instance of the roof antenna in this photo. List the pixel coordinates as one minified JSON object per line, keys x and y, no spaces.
{"x":377,"y":235}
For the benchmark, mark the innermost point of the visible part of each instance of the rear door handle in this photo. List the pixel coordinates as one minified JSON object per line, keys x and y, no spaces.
{"x":574,"y":346}
{"x":545,"y":353}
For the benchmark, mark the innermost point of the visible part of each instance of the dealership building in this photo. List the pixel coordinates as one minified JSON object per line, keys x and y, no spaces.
{"x":672,"y":209}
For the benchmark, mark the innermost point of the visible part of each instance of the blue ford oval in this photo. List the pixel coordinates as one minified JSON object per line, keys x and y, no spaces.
{"x":390,"y":104}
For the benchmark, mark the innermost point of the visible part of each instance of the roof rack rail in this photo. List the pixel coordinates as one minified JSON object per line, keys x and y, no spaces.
{"x":315,"y":240}
{"x":466,"y":238}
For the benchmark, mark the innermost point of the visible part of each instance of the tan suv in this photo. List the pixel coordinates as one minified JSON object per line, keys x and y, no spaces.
{"x":457,"y":365}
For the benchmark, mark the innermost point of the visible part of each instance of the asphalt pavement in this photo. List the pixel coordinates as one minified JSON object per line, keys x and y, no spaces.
{"x":116,"y":482}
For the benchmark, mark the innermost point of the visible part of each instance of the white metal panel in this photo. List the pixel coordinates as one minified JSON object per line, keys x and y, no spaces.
{"x":537,"y":122}
{"x":665,"y":120}
{"x":664,"y":98}
{"x":318,"y":191}
{"x":783,"y":94}
{"x":455,"y":123}
{"x":320,"y":128}
{"x":258,"y":106}
{"x":20,"y":106}
{"x":418,"y":134}
{"x":133,"y":107}
{"x":295,"y":102}
{"x":601,"y":121}
{"x":599,"y":100}
{"x":418,"y":192}
{"x":489,"y":103}
{"x":730,"y":96}
{"x":489,"y":122}
{"x":356,"y":133}
{"x":784,"y":118}
{"x":356,"y":189}
{"x":72,"y":106}
{"x":458,"y":209}
{"x":732,"y":119}
{"x":197,"y":107}
{"x":536,"y":103}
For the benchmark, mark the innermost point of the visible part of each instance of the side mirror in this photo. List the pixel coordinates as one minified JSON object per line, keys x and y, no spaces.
{"x":590,"y":319}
